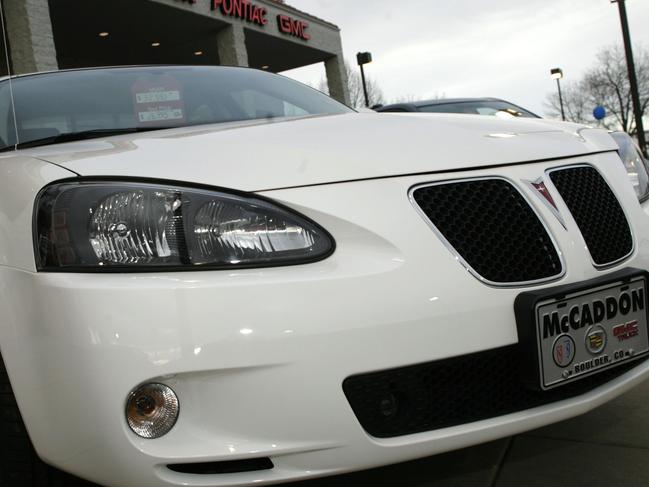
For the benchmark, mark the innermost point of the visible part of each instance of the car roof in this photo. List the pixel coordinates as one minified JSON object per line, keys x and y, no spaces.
{"x":414,"y":105}
{"x":444,"y":101}
{"x":439,"y":101}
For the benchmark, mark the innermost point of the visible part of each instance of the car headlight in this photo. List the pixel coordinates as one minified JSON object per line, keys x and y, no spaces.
{"x":121,"y":226}
{"x":634,"y":163}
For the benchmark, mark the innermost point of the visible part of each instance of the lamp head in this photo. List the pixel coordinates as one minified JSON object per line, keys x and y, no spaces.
{"x":364,"y":58}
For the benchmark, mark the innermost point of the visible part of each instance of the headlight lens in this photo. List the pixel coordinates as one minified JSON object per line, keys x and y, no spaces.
{"x":634,"y":163}
{"x":122,"y":226}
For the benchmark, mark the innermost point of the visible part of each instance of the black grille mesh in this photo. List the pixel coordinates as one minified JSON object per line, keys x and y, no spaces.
{"x":492,"y":227}
{"x":456,"y":391}
{"x":597,"y":212}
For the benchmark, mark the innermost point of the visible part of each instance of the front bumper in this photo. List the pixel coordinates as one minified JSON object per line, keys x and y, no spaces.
{"x":258,"y":357}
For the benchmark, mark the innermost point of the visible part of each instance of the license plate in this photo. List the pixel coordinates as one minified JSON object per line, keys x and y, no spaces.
{"x":582,"y":332}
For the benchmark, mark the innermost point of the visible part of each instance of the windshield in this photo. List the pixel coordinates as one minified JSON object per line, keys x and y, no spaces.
{"x":479,"y":107}
{"x":51,"y":107}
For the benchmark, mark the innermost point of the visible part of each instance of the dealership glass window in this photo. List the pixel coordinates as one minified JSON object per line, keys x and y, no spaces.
{"x":69,"y":102}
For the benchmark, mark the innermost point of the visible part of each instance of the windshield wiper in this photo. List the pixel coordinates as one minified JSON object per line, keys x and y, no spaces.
{"x":83,"y":135}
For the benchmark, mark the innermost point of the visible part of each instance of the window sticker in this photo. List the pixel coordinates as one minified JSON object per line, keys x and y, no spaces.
{"x":158,"y":100}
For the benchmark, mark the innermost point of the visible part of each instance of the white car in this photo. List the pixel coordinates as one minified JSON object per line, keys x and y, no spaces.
{"x":216,"y":276}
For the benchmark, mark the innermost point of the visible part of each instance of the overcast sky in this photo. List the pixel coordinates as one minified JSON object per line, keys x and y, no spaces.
{"x":458,"y":48}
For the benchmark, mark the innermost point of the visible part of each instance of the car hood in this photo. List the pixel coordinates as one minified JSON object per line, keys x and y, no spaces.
{"x":263,"y":155}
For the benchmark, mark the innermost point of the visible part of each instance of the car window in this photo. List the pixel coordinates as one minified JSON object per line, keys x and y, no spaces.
{"x":261,"y":105}
{"x":69,"y":102}
{"x":489,"y":111}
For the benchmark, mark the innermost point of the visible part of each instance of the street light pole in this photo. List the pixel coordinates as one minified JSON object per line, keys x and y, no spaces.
{"x":364,"y":58}
{"x":633,"y":80}
{"x":563,"y":113}
{"x":367,"y":98}
{"x":557,"y":74}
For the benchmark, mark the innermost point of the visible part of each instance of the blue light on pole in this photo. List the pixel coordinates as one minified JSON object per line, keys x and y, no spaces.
{"x":599,"y":113}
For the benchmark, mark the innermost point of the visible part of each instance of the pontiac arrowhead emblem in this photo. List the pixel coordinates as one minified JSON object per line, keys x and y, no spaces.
{"x":541,"y":190}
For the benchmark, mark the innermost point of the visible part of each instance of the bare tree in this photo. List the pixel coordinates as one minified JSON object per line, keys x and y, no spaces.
{"x":410,"y":97}
{"x":355,"y":87}
{"x":576,"y":103}
{"x":606,"y":84}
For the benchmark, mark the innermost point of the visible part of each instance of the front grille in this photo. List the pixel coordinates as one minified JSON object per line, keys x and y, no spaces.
{"x":596,"y":210}
{"x":492,"y":228}
{"x":455,"y":391}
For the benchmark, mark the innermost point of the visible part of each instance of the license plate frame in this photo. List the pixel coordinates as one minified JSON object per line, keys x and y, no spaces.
{"x":535,"y":356}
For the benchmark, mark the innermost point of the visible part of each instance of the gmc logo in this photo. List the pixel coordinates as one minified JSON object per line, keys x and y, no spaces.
{"x":292,"y":27}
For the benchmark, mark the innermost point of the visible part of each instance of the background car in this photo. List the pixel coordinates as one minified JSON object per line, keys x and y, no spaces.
{"x":473,"y":106}
{"x":629,"y":152}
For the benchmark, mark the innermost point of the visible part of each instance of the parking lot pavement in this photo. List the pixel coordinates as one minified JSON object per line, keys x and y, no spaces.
{"x":606,"y":447}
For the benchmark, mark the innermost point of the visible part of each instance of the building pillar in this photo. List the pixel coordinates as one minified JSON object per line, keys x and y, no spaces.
{"x":337,"y":78}
{"x":31,"y":40}
{"x":232,"y":46}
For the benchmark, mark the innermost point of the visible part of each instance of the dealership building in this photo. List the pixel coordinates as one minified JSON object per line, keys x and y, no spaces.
{"x":45,"y":35}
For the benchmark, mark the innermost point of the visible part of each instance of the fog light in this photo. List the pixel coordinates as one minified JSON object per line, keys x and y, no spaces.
{"x":152,"y":410}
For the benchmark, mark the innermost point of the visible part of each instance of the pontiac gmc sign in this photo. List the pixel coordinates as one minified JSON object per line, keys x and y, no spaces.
{"x":241,"y":9}
{"x":248,"y":11}
{"x":292,"y":27}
